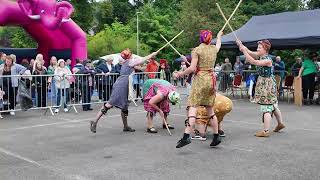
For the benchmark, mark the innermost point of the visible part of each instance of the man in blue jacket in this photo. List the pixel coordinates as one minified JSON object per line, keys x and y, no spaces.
{"x":279,"y":68}
{"x":105,"y":80}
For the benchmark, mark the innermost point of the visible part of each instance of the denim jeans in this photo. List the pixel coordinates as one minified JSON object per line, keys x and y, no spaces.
{"x":65,"y":94}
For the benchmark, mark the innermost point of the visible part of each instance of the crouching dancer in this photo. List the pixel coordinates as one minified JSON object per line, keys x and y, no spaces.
{"x":157,"y":95}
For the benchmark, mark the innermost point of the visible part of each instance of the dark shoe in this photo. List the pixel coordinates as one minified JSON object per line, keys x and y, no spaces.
{"x":169,"y":126}
{"x":306,"y":102}
{"x":182,"y":142}
{"x":215,"y":141}
{"x":311,"y":102}
{"x":152,"y":130}
{"x":93,"y":126}
{"x":85,"y":110}
{"x":221,"y":133}
{"x":90,"y":109}
{"x":128,"y":129}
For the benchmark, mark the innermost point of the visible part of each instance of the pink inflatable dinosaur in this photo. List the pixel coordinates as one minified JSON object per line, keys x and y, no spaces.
{"x":49,"y":23}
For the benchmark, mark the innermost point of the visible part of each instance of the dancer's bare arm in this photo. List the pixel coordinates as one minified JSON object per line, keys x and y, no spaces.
{"x":218,"y":43}
{"x":155,"y":100}
{"x":140,"y":61}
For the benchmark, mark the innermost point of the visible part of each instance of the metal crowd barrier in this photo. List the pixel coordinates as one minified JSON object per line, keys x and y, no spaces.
{"x":50,"y":92}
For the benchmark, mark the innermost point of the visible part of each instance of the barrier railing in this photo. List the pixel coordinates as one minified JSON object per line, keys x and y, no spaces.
{"x":52,"y":92}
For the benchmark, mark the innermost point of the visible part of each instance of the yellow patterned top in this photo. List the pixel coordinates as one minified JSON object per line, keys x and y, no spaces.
{"x":203,"y":84}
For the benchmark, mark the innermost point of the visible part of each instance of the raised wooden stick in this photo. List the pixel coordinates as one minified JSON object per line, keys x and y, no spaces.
{"x":171,"y":45}
{"x":234,"y":11}
{"x":170,"y":41}
{"x":224,"y":17}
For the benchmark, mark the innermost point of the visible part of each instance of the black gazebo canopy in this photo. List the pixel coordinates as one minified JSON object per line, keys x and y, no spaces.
{"x":286,"y":30}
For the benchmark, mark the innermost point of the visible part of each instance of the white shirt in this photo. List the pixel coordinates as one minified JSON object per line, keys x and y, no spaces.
{"x":109,"y":67}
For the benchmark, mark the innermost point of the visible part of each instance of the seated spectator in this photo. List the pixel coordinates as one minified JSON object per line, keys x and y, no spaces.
{"x":10,"y":82}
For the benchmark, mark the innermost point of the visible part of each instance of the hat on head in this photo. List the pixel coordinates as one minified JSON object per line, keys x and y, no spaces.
{"x":174,"y":97}
{"x":60,"y":61}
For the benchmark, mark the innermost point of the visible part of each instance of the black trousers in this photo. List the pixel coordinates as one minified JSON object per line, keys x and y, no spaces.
{"x":308,"y":84}
{"x":137,"y":89}
{"x":11,"y":95}
{"x":86,"y":96}
{"x":104,"y":91}
{"x":41,"y":96}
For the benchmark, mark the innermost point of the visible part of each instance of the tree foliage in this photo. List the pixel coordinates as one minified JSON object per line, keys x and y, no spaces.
{"x":113,"y":39}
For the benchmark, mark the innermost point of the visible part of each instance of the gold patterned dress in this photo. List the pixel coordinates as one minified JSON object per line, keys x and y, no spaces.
{"x":203,"y":91}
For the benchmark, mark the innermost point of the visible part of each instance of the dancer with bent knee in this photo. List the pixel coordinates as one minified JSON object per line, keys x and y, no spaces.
{"x":203,"y":90}
{"x":119,"y":94}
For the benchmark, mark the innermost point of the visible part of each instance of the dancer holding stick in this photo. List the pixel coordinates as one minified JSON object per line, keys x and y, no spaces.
{"x":266,"y":89}
{"x":203,"y":90}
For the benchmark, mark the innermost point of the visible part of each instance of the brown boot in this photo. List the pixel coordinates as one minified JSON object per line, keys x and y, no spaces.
{"x":262,"y":134}
{"x":279,"y":127}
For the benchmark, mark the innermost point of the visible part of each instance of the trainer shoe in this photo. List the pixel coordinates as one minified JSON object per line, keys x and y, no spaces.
{"x":66,"y":110}
{"x":262,"y":134}
{"x":169,"y":126}
{"x":93,"y":126}
{"x":221,"y":133}
{"x":215,"y":141}
{"x":182,"y":142}
{"x":56,"y":111}
{"x":279,"y":127}
{"x":200,"y":138}
{"x":128,"y":129}
{"x":12,"y":113}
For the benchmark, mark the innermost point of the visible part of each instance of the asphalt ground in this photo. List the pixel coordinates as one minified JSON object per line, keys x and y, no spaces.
{"x":44,"y":147}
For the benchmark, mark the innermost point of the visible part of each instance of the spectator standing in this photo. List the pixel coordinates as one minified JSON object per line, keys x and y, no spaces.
{"x":226,"y":69}
{"x":40,"y":81}
{"x":68,"y":63}
{"x":238,"y":66}
{"x":87,"y":84}
{"x":10,"y":82}
{"x":2,"y":57}
{"x":105,"y":80}
{"x":279,"y":68}
{"x":296,"y":67}
{"x":62,"y":76}
{"x":51,"y":69}
{"x":308,"y":73}
{"x":152,"y":66}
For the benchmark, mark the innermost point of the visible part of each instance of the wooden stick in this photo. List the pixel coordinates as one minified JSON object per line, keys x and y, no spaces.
{"x":171,"y":45}
{"x":234,"y":11}
{"x":170,"y":41}
{"x":165,"y":122}
{"x":224,"y":17}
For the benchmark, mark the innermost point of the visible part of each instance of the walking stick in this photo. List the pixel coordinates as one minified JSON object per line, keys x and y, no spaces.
{"x":169,"y":41}
{"x":165,"y":122}
{"x":224,"y":17}
{"x":171,"y":45}
{"x":234,"y":11}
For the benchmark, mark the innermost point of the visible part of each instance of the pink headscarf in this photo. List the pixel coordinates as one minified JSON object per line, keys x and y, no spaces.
{"x":205,"y":36}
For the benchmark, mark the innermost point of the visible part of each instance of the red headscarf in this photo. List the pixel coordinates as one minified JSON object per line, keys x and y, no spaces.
{"x":205,"y":36}
{"x":126,"y":54}
{"x":265,"y":44}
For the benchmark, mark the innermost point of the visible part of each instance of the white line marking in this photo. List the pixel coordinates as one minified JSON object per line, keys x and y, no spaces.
{"x":250,"y":123}
{"x":20,"y":157}
{"x":66,"y":121}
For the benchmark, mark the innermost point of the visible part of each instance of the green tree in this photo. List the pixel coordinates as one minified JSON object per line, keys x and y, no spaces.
{"x":314,"y":4}
{"x":113,"y":39}
{"x":16,"y":37}
{"x":104,"y":14}
{"x":83,"y":14}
